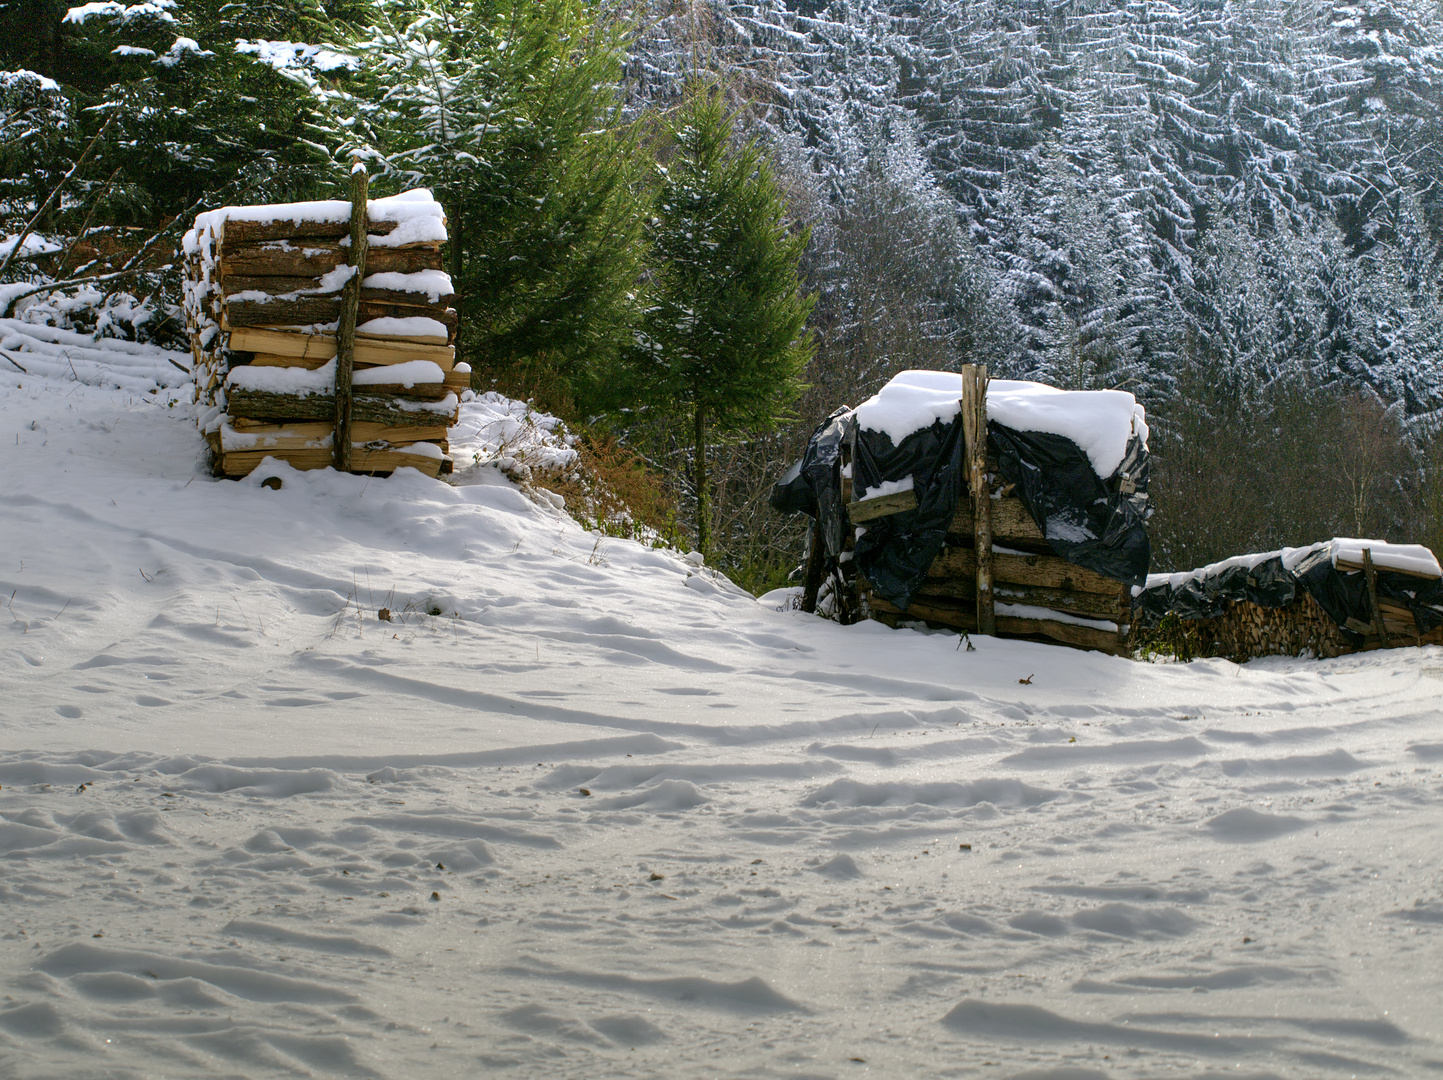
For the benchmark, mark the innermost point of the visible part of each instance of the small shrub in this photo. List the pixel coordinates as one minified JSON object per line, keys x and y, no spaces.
{"x":1173,"y":637}
{"x":615,"y":494}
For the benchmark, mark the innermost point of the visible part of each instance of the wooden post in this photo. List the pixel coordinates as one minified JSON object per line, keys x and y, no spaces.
{"x":812,"y":577}
{"x":974,"y":434}
{"x":1372,"y":576}
{"x":350,"y":304}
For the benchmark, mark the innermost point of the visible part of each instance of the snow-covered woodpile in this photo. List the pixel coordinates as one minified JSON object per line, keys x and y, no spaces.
{"x":265,"y":303}
{"x":1246,"y":630}
{"x":1060,"y":478}
{"x":1342,"y":596}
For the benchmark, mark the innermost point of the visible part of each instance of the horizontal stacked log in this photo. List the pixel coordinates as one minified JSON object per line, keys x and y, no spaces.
{"x":1094,"y":611}
{"x":264,"y":291}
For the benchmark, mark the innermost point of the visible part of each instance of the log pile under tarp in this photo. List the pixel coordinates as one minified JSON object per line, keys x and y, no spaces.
{"x":1038,"y":562}
{"x":267,"y":295}
{"x":1341,"y":596}
{"x":1035,"y":593}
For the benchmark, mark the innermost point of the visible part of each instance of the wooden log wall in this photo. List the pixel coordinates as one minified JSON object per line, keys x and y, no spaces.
{"x":1089,"y":610}
{"x":268,"y":294}
{"x":1246,"y":631}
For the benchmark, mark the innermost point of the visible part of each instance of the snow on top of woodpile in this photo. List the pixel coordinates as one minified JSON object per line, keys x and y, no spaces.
{"x":1342,"y":550}
{"x":322,"y":380}
{"x":433,"y":284}
{"x":1291,"y":557}
{"x":409,"y":326}
{"x":1100,"y":422}
{"x":912,"y":401}
{"x":418,"y":216}
{"x":1409,"y":558}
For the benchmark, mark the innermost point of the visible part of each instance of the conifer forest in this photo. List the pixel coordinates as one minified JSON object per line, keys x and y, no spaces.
{"x":1231,"y":208}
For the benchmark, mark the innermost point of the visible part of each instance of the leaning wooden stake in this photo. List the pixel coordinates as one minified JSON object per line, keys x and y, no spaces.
{"x":974,"y":434}
{"x":816,"y":558}
{"x":1372,"y":575}
{"x":350,"y":304}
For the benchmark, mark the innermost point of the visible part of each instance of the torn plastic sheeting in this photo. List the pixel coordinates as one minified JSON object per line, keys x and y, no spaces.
{"x":1088,"y":521}
{"x":1091,"y":522}
{"x":813,"y":486}
{"x":895,"y":551}
{"x":1343,"y":594}
{"x":1267,"y":583}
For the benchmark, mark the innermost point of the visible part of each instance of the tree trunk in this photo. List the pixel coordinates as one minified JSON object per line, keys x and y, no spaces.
{"x":703,"y":496}
{"x":454,"y":227}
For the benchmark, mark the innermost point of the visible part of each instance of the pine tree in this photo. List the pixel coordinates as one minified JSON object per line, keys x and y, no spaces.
{"x":723,"y":335}
{"x":35,"y":124}
{"x":156,"y":114}
{"x":509,"y":111}
{"x":192,"y":118}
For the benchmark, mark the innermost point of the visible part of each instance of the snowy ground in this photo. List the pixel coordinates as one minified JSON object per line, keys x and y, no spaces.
{"x":247,"y":829}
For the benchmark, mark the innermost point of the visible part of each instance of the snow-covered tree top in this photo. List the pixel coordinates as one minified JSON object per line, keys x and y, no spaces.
{"x":122,"y":14}
{"x":1100,"y":422}
{"x":295,"y":57}
{"x":21,"y":77}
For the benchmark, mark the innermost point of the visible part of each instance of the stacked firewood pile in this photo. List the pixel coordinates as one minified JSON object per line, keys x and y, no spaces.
{"x":1333,"y":598}
{"x":266,"y":295}
{"x":996,"y":573}
{"x":1036,"y":594}
{"x":1248,"y":630}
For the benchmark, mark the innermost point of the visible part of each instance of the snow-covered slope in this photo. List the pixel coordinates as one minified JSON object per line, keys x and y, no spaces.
{"x":606,"y":815}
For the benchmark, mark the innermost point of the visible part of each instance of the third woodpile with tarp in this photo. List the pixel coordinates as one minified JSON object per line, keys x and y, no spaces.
{"x":1328,"y":599}
{"x":1061,"y":538}
{"x":267,"y":296}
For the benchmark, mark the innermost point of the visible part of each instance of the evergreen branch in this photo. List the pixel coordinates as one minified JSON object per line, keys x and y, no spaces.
{"x":54,"y":194}
{"x":85,"y":225}
{"x":132,"y":265}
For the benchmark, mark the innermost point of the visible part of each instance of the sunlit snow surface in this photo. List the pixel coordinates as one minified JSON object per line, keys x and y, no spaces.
{"x":230,"y":794}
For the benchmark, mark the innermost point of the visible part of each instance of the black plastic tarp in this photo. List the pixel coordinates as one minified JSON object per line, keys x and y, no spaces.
{"x":813,"y":486}
{"x":894,"y":552}
{"x":1095,"y":523}
{"x":1343,"y":594}
{"x":1206,"y":596}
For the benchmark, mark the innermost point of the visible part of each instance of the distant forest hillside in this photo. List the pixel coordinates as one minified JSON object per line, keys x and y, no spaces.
{"x":1142,"y":187}
{"x":1232,"y":209}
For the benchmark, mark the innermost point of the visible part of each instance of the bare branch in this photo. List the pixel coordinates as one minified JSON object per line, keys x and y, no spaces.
{"x":132,"y":266}
{"x":53,"y":196}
